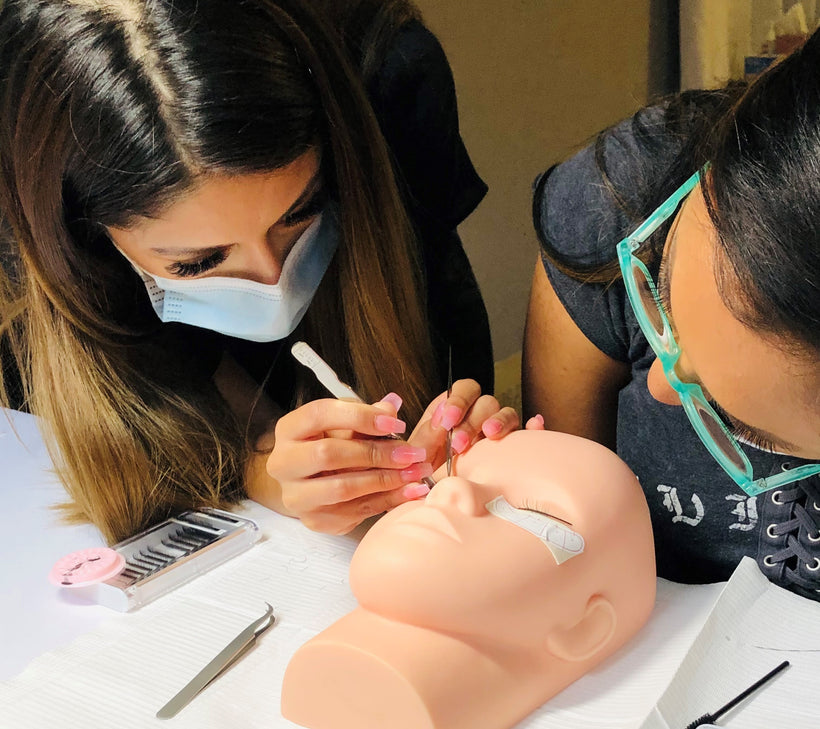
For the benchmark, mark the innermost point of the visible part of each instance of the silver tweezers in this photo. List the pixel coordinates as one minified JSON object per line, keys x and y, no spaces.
{"x":221,"y":663}
{"x":449,"y":443}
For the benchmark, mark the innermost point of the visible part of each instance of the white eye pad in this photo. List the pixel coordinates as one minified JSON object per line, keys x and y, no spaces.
{"x":559,"y":538}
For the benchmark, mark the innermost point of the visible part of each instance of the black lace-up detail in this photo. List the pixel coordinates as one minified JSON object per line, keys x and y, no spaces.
{"x":793,"y":537}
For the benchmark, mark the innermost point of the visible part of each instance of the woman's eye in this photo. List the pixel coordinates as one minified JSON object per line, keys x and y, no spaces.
{"x":741,"y":432}
{"x":311,"y":208}
{"x":744,"y":435}
{"x":195,"y":268}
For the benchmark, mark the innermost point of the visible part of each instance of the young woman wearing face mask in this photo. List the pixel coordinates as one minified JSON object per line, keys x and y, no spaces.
{"x":186,"y":188}
{"x":675,"y":316}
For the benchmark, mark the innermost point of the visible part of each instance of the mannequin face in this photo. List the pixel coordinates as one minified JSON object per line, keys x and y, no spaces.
{"x":447,"y":563}
{"x":468,"y":619}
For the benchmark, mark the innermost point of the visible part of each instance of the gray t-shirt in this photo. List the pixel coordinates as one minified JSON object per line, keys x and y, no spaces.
{"x":703,"y":522}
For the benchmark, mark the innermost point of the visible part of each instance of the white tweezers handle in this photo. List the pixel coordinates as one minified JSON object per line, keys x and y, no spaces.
{"x":305,"y":354}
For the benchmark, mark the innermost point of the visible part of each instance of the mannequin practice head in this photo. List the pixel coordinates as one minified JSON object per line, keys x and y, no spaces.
{"x":481,"y":612}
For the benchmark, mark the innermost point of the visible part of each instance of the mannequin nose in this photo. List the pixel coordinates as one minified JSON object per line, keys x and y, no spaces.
{"x":458,"y":493}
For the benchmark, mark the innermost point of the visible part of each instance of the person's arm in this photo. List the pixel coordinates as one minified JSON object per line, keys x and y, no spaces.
{"x":565,"y":377}
{"x":241,"y":393}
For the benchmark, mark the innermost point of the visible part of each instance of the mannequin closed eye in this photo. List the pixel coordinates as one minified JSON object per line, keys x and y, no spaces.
{"x":542,"y":509}
{"x":556,"y":534}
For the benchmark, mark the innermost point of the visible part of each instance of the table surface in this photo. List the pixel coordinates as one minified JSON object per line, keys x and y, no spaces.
{"x":36,"y":617}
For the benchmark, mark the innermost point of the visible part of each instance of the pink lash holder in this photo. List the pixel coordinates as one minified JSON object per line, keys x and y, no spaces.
{"x":138,"y":570}
{"x":86,"y":567}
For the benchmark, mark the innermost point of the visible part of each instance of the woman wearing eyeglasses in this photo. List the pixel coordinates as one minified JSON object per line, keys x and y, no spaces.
{"x":675,"y":317}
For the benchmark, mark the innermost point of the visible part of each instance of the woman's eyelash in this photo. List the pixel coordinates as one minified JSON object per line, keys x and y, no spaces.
{"x":663,"y":285}
{"x":741,"y":432}
{"x":195,"y":268}
{"x":755,"y":439}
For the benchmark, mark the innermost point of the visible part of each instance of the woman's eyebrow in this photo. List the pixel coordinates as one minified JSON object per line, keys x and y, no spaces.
{"x":313,"y":185}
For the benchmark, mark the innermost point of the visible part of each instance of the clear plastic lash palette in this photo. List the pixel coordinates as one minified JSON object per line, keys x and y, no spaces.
{"x":162,"y":557}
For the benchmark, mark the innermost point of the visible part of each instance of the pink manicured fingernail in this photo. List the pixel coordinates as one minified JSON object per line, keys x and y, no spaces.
{"x":539,"y":418}
{"x":415,"y":490}
{"x":491,"y":427}
{"x":460,"y":441}
{"x":408,"y":454}
{"x":393,"y":399}
{"x":386,"y":424}
{"x":451,"y":417}
{"x":435,"y":421}
{"x":417,"y":471}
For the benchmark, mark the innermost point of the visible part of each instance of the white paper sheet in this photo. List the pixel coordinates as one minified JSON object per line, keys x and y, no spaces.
{"x":754,"y":626}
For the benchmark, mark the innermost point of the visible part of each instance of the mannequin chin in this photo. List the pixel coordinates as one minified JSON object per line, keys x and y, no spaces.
{"x":470,"y":619}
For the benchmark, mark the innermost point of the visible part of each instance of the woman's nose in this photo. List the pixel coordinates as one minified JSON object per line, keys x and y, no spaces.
{"x":659,"y":386}
{"x":453,"y":492}
{"x":264,"y":257}
{"x":265,"y":266}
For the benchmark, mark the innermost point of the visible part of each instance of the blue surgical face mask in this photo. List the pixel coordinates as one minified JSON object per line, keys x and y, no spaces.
{"x":247,"y":309}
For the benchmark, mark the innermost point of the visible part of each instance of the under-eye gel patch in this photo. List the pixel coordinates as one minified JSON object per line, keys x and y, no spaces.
{"x":559,"y":538}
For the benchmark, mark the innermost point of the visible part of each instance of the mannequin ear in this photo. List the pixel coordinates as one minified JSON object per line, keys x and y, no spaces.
{"x":589,"y":635}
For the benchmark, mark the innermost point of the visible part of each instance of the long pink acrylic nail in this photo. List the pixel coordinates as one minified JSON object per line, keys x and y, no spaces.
{"x":408,"y":454}
{"x":415,"y":491}
{"x":460,"y":441}
{"x":491,"y":427}
{"x":417,"y":471}
{"x":536,"y":422}
{"x":393,"y":399}
{"x":387,"y":424}
{"x":451,"y":417}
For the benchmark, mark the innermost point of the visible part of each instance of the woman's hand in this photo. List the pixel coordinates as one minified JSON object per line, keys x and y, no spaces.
{"x":469,"y":414}
{"x":335,"y":466}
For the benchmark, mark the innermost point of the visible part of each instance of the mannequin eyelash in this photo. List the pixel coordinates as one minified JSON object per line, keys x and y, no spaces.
{"x":532,"y":506}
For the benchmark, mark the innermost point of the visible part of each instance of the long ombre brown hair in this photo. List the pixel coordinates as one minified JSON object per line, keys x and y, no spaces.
{"x":112,"y":110}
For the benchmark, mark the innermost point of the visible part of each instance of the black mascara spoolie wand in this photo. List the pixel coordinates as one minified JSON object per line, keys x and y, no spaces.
{"x":711,"y":718}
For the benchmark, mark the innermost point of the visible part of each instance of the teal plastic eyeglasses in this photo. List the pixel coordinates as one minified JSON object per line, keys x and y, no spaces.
{"x":646,"y":303}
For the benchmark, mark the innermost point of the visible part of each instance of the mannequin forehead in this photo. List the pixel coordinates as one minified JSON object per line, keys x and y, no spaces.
{"x":563,"y":476}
